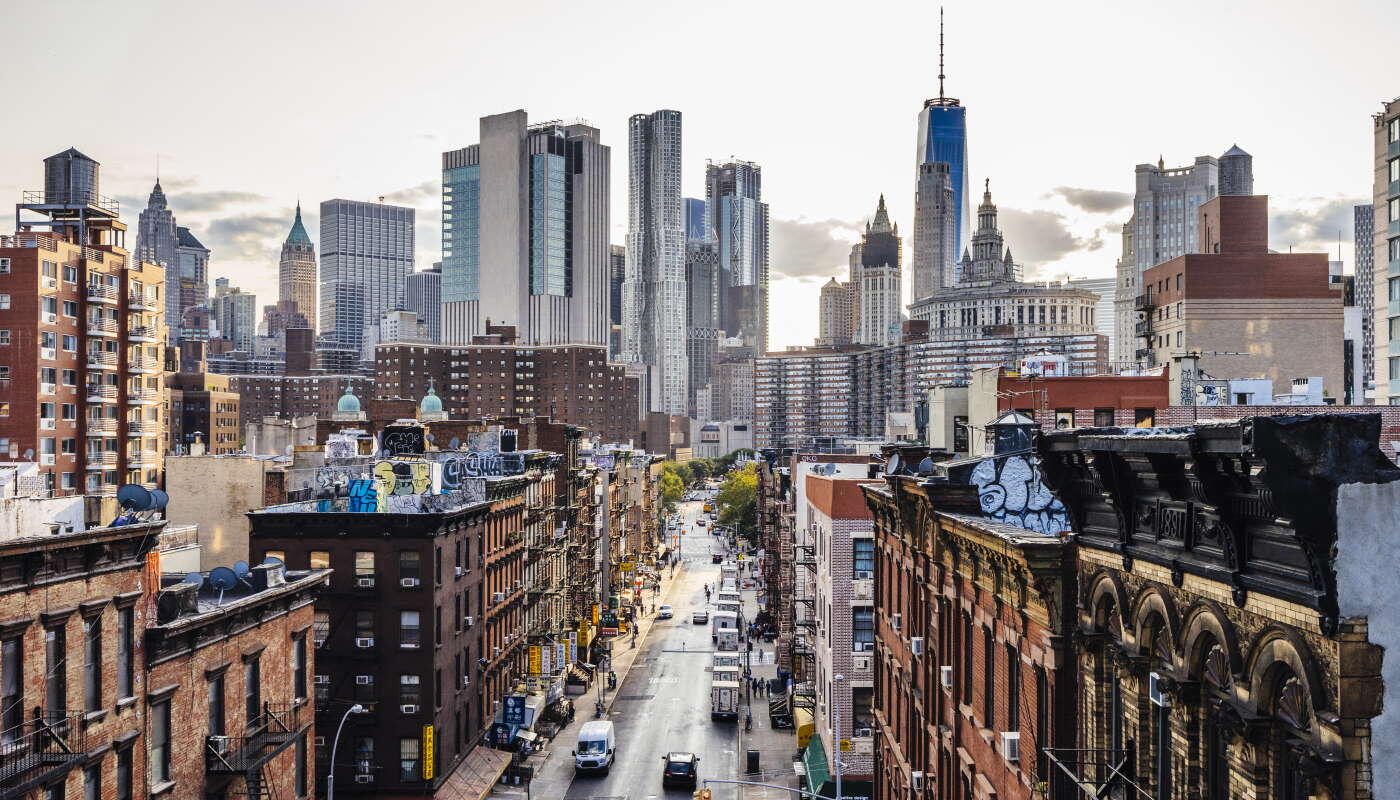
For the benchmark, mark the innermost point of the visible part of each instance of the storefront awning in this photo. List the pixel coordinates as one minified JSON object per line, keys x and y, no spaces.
{"x":814,"y":763}
{"x":474,"y":777}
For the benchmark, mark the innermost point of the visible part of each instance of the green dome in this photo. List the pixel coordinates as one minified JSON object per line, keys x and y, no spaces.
{"x":349,"y":403}
{"x":432,"y":404}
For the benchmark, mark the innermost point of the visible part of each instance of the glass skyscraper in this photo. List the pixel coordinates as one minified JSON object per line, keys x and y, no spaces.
{"x":461,"y":234}
{"x":366,"y":253}
{"x":943,"y":138}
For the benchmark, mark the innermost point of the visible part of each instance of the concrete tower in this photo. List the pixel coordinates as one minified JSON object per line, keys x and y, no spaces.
{"x":880,"y":284}
{"x":296,"y":269}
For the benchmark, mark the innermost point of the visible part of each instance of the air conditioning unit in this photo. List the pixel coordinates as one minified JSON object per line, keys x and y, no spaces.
{"x":495,"y":651}
{"x":466,"y":680}
{"x":459,"y":571}
{"x":46,"y":459}
{"x":364,"y":583}
{"x":945,"y":677}
{"x":916,"y":645}
{"x":861,"y":664}
{"x":364,"y":680}
{"x":1154,"y":691}
{"x":916,"y":780}
{"x":469,"y":621}
{"x":1011,"y":746}
{"x":409,"y":709}
{"x":364,"y":642}
{"x":320,"y":741}
{"x":498,"y":597}
{"x":865,"y":733}
{"x":50,"y":283}
{"x":321,"y":680}
{"x":408,"y":645}
{"x":218,"y":744}
{"x":896,"y":620}
{"x":864,"y":575}
{"x":51,"y":318}
{"x":408,"y":583}
{"x":364,"y":778}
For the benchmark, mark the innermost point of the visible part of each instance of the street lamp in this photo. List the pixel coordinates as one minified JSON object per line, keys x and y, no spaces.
{"x":335,"y":743}
{"x":837,"y":680}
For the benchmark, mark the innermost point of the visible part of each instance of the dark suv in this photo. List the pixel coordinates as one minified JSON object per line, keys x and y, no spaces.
{"x":680,"y":769}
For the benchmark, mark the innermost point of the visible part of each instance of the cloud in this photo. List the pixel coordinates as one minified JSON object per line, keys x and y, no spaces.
{"x":1095,"y":201}
{"x":192,"y":202}
{"x":812,"y":248}
{"x":1039,"y":237}
{"x":1312,"y":226}
{"x":250,"y":237}
{"x":416,"y":195}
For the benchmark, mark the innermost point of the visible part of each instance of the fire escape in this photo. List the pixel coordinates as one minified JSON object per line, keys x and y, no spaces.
{"x":39,"y":751}
{"x":804,"y":671}
{"x":229,"y":758}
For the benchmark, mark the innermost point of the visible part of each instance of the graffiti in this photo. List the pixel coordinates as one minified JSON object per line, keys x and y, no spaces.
{"x":457,"y":466}
{"x":402,"y":440}
{"x":602,"y":462}
{"x":403,"y":477}
{"x":363,"y":498}
{"x":1010,"y":490}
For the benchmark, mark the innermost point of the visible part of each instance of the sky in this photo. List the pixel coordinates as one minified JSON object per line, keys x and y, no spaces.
{"x":253,"y":105}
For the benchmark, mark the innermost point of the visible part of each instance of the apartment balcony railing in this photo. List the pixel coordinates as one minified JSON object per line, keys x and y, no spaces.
{"x":101,"y":393}
{"x":101,"y":460}
{"x":142,"y":458}
{"x":141,"y":301}
{"x":102,"y":360}
{"x":39,"y":751}
{"x":142,"y":365}
{"x":1143,"y":302}
{"x":142,"y":333}
{"x":101,"y":293}
{"x":101,"y":427}
{"x":142,"y":397}
{"x":143,"y":428}
{"x":102,"y":327}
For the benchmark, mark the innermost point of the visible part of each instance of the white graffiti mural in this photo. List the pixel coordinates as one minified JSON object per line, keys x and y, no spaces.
{"x":1010,"y":490}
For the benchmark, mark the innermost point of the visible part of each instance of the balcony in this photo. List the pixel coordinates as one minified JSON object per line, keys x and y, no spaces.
{"x":1143,"y":302}
{"x":102,"y":327}
{"x":101,"y":427}
{"x":140,"y":365}
{"x":39,"y":751}
{"x":141,"y":301}
{"x":102,"y":460}
{"x":101,"y":393}
{"x":142,"y":333}
{"x":1143,"y":328}
{"x":143,"y":428}
{"x":276,"y":729}
{"x":142,"y":397}
{"x":97,"y":293}
{"x":142,"y":458}
{"x":102,"y":360}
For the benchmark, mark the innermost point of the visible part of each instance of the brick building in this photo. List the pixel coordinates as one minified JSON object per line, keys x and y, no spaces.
{"x":1233,"y":605}
{"x":973,"y":671}
{"x":204,"y":409}
{"x":289,"y":396}
{"x":81,"y":339}
{"x":1280,"y":311}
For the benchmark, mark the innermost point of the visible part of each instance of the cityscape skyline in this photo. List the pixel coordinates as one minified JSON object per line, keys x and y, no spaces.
{"x":239,"y":201}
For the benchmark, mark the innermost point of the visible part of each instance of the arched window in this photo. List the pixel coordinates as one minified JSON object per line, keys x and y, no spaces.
{"x":1156,"y":732}
{"x":1216,"y":680}
{"x":1289,"y":706}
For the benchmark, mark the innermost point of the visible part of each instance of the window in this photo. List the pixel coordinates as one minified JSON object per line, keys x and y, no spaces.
{"x":4,"y":266}
{"x":989,"y":680}
{"x":1103,"y":418}
{"x":299,"y":667}
{"x":4,"y":338}
{"x":319,"y":559}
{"x":126,"y":645}
{"x":409,"y":566}
{"x":863,"y":557}
{"x":70,"y":377}
{"x":364,"y":564}
{"x":300,"y":770}
{"x":1042,"y":722}
{"x":214,"y":700}
{"x":92,"y":663}
{"x":4,"y":302}
{"x":70,"y":273}
{"x":69,"y":411}
{"x":1393,"y":210}
{"x":56,"y":668}
{"x":124,"y":774}
{"x":11,"y":688}
{"x":364,"y":755}
{"x":364,"y":624}
{"x":967,"y":659}
{"x":1013,"y":689}
{"x":252,"y":692}
{"x":321,"y":627}
{"x":409,"y":634}
{"x":92,"y":782}
{"x":408,"y":759}
{"x":409,"y":694}
{"x":437,"y":566}
{"x":70,"y":308}
{"x":1393,"y":167}
{"x":70,"y":343}
{"x":862,"y":628}
{"x":159,"y":753}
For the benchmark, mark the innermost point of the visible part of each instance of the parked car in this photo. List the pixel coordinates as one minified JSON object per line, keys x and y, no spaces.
{"x":680,"y":769}
{"x":716,"y":558}
{"x":663,"y":612}
{"x":700,"y":617}
{"x":700,"y":522}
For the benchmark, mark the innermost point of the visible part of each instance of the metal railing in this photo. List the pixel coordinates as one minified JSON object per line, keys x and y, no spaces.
{"x":44,"y":241}
{"x":100,"y":292}
{"x":276,"y":727}
{"x":1094,"y":773}
{"x":102,"y":360}
{"x":143,"y":300}
{"x":100,"y":427}
{"x":38,"y":197}
{"x":101,"y":327}
{"x":141,"y":333}
{"x":142,"y":396}
{"x":145,"y":364}
{"x":38,"y":749}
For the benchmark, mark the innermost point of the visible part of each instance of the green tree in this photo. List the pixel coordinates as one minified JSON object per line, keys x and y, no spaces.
{"x":672,"y":490}
{"x":738,"y":501}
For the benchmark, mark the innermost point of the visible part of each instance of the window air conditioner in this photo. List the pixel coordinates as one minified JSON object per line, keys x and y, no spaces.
{"x":495,"y":651}
{"x":218,"y":744}
{"x":896,"y":620}
{"x":364,"y":680}
{"x":916,"y":645}
{"x":364,"y":642}
{"x":364,"y":778}
{"x":466,"y":680}
{"x":408,"y":709}
{"x":322,"y":680}
{"x":1011,"y":746}
{"x":364,"y":583}
{"x":945,"y":677}
{"x":408,"y":583}
{"x":459,"y":571}
{"x":498,"y":597}
{"x":864,"y":575}
{"x":916,"y":780}
{"x":320,"y":741}
{"x":468,"y":621}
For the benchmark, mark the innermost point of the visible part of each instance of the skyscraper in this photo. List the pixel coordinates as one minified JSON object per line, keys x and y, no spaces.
{"x":617,"y":273}
{"x":1386,"y":205}
{"x":235,"y":314}
{"x":296,"y":269}
{"x":190,"y":282}
{"x":738,"y":220}
{"x":942,"y":140}
{"x":525,"y":233}
{"x":834,"y":314}
{"x":366,"y":252}
{"x":880,"y":281}
{"x":654,"y":292}
{"x":1364,"y":244}
{"x":703,"y":287}
{"x":423,"y":296}
{"x":157,"y":240}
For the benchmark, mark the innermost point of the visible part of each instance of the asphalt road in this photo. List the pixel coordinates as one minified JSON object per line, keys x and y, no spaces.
{"x":663,"y":705}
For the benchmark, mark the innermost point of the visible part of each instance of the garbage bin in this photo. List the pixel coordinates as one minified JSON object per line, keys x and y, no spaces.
{"x":753,"y":762}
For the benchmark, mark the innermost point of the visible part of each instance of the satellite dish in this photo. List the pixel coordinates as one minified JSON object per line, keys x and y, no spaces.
{"x":29,"y":454}
{"x":240,"y":568}
{"x":454,"y":443}
{"x":159,"y":499}
{"x":134,"y":497}
{"x":223,"y":579}
{"x":195,"y":578}
{"x":926,"y":466}
{"x":273,"y":561}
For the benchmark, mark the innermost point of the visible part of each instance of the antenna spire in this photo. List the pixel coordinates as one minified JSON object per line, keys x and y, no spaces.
{"x":940,"y":52}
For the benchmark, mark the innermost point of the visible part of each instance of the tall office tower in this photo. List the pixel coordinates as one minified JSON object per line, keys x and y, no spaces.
{"x":617,"y":273}
{"x":879,"y":276}
{"x":191,"y":282}
{"x":1125,"y":293}
{"x":422,"y":294}
{"x":235,"y":315}
{"x":296,"y":269}
{"x":942,"y":140}
{"x":366,"y":252}
{"x":738,"y":219}
{"x":1163,"y":226}
{"x":834,"y":314}
{"x":1386,"y":204}
{"x":935,"y":230}
{"x":703,"y":331}
{"x":1104,"y":318}
{"x":654,"y":291}
{"x":1363,"y":243}
{"x":157,"y":242}
{"x":696,"y":226}
{"x":525,"y":233}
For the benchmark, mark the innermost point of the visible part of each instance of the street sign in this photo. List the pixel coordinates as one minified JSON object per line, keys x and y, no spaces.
{"x":427,"y":752}
{"x":535,"y":668}
{"x":845,"y":745}
{"x":515,"y":710}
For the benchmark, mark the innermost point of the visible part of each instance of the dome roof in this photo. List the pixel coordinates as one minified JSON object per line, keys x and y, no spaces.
{"x":349,"y":403}
{"x":431,"y":404}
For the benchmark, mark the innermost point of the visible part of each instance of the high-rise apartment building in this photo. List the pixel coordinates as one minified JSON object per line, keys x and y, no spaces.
{"x":1387,"y":250}
{"x":190,"y":281}
{"x":834,"y":315}
{"x":703,"y":330}
{"x":366,"y":253}
{"x":942,"y":140}
{"x":738,"y":221}
{"x":525,"y":232}
{"x":879,"y":277}
{"x":235,"y":315}
{"x":1364,"y":245}
{"x":296,"y":270}
{"x":617,"y":273}
{"x":82,"y":339}
{"x":423,"y":296}
{"x":654,"y":291}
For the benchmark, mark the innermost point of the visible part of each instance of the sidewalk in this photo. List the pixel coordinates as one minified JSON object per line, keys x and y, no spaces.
{"x":775,"y":747}
{"x":553,"y":772}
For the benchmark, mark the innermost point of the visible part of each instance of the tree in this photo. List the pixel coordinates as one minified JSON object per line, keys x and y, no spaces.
{"x":738,"y":500}
{"x":726,"y":462}
{"x":672,"y":490}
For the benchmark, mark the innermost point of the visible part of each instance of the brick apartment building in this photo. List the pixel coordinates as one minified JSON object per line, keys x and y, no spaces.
{"x":81,"y":339}
{"x":496,"y":377}
{"x":1234,"y":296}
{"x":973,"y":671}
{"x":204,"y":409}
{"x":289,"y":396}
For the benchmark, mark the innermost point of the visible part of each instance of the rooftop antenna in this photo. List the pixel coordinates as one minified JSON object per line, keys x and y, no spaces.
{"x":940,"y":52}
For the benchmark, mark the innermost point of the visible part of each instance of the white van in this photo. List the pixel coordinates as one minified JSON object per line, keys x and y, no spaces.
{"x":597,"y":747}
{"x":726,"y":639}
{"x":725,"y":694}
{"x":721,"y":620}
